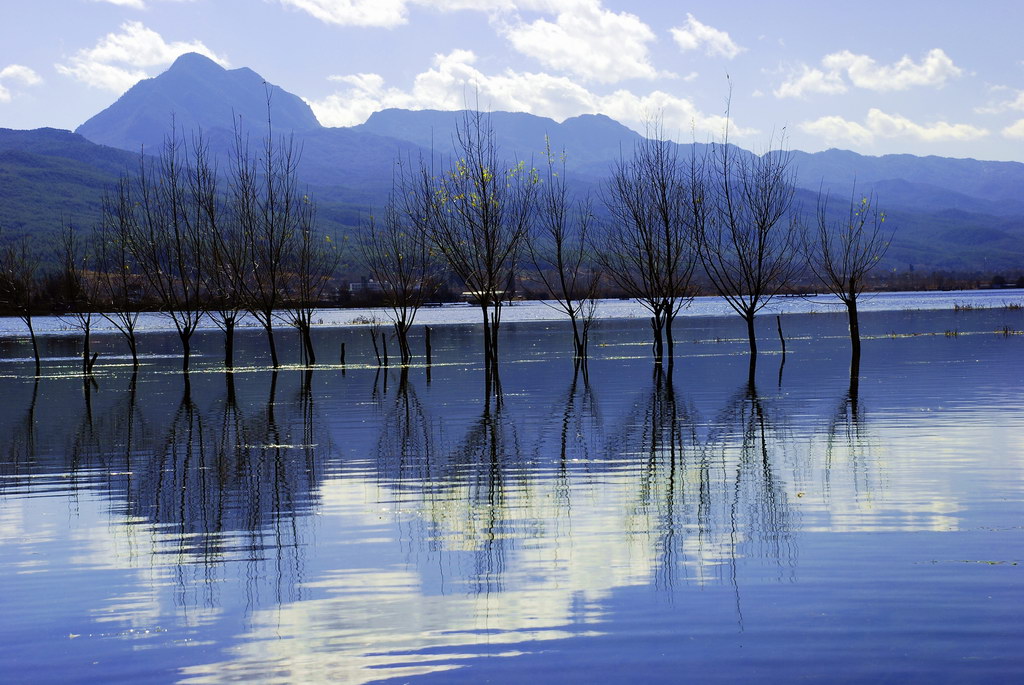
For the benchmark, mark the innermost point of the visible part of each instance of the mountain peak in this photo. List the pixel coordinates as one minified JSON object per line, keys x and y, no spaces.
{"x":200,"y":95}
{"x":193,"y":61}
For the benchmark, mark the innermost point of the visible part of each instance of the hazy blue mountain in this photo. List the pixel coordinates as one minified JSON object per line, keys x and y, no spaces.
{"x":911,"y":180}
{"x":49,"y":176}
{"x":588,"y":140}
{"x":199,"y":94}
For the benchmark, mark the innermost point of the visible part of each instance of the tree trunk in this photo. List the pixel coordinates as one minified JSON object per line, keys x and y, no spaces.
{"x":229,"y":344}
{"x":268,"y":326}
{"x":86,"y":349}
{"x":35,"y":343}
{"x":670,"y":344}
{"x":851,"y":307}
{"x":577,"y":341}
{"x":307,"y":341}
{"x":659,"y":344}
{"x":133,"y":346}
{"x":495,"y":322}
{"x":487,"y":337}
{"x":186,"y":351}
{"x":750,"y":334}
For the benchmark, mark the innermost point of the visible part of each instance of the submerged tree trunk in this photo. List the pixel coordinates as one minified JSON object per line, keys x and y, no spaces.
{"x":86,"y":349}
{"x":750,"y":334}
{"x":307,"y":344}
{"x":133,"y":347}
{"x":670,"y":344}
{"x":402,"y":333}
{"x":851,"y":307}
{"x":35,"y":343}
{"x":229,"y":344}
{"x":268,"y":326}
{"x":487,"y":337}
{"x":186,"y":350}
{"x":657,"y":326}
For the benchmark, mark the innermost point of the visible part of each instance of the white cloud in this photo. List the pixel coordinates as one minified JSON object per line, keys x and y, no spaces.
{"x":879,"y":124}
{"x":1014,"y":131}
{"x":383,"y":13}
{"x":693,"y":35}
{"x":863,"y":72}
{"x":119,"y":60}
{"x":934,"y":70}
{"x":391,"y":13}
{"x":836,"y":129}
{"x":811,"y":81}
{"x":589,"y":41}
{"x":453,"y":77}
{"x":19,"y":73}
{"x":1013,"y":103}
{"x":137,"y":4}
{"x":580,"y":37}
{"x":134,"y":4}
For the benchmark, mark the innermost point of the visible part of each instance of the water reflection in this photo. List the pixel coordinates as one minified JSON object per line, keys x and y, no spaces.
{"x":203,"y":485}
{"x":316,"y":526}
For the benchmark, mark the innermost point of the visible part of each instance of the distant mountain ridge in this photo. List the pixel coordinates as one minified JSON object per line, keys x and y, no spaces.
{"x":951,"y":213}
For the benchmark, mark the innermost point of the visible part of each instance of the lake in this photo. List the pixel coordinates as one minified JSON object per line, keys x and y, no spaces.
{"x":359,"y":524}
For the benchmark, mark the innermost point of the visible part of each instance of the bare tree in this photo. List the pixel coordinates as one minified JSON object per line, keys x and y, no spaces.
{"x":398,"y":257}
{"x":560,"y":252}
{"x":649,"y":248}
{"x":749,"y":241}
{"x":224,"y":248}
{"x":312,"y":260}
{"x":119,"y":278}
{"x":79,"y":290}
{"x":168,"y":242}
{"x":841,"y":252}
{"x":268,"y":206}
{"x":481,"y":217}
{"x":19,"y":285}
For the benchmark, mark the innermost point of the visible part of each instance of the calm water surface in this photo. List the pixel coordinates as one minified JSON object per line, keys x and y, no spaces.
{"x":360,"y":525}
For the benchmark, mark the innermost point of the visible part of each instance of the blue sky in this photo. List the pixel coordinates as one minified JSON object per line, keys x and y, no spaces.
{"x":942,"y":78}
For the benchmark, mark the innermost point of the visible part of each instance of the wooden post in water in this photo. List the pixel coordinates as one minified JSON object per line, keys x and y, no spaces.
{"x":778,"y":322}
{"x":384,"y":346}
{"x":343,"y":356}
{"x":426,"y":330}
{"x":376,"y":350}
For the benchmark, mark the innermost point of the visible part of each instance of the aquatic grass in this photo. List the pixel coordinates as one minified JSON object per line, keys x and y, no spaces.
{"x":965,"y":307}
{"x":952,"y":333}
{"x":1007,"y":331}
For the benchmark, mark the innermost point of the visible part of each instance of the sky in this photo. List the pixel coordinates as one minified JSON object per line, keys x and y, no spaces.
{"x":900,"y":76}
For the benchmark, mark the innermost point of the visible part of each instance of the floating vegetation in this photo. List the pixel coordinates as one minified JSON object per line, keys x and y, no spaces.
{"x":952,"y":333}
{"x":965,"y":307}
{"x":1007,"y":331}
{"x":1013,"y":306}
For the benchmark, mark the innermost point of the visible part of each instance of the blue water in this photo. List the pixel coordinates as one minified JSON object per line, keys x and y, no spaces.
{"x":355,"y":525}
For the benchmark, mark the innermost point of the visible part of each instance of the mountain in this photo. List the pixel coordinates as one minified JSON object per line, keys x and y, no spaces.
{"x":952,"y":214}
{"x":591,"y":141}
{"x":908,"y":180}
{"x":196,"y":93}
{"x":49,"y":176}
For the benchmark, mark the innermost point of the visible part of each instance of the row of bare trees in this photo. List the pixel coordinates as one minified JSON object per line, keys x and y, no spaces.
{"x":182,"y":238}
{"x":194,"y":242}
{"x":718,"y":214}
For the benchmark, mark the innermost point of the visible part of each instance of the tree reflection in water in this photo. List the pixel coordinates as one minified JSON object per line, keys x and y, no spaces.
{"x":706,"y":501}
{"x":847,"y":434}
{"x":203,"y":484}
